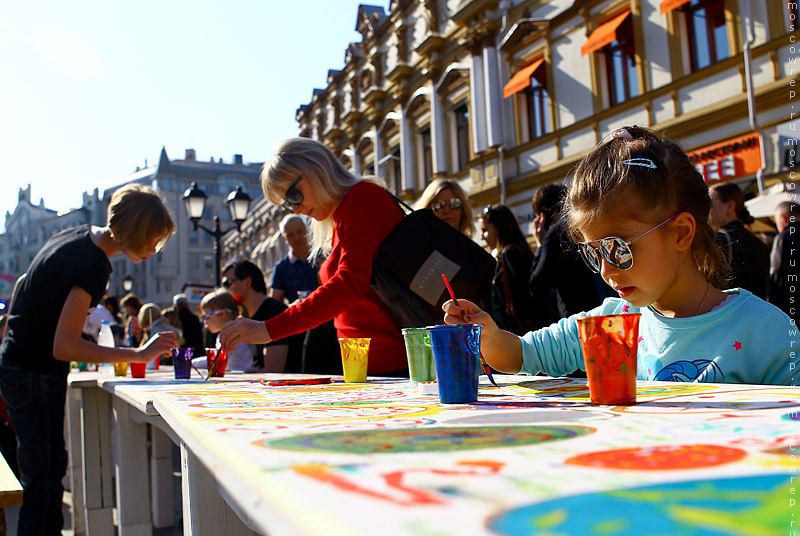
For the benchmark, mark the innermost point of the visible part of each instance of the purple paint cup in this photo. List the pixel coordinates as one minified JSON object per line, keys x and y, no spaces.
{"x":456,"y":355}
{"x":182,"y":362}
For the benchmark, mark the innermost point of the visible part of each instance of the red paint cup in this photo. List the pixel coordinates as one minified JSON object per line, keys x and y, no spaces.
{"x":138,"y":370}
{"x":219,"y":360}
{"x":609,"y":344}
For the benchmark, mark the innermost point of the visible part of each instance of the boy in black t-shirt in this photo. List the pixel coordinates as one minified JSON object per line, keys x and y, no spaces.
{"x":66,"y":278}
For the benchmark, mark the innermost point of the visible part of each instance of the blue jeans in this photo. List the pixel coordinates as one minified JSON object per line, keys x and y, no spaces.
{"x":36,"y":407}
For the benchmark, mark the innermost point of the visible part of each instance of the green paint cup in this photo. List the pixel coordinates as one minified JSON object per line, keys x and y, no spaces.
{"x":418,"y":352}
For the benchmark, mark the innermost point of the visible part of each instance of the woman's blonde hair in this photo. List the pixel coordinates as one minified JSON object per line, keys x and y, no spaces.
{"x":310,"y":159}
{"x":640,"y":174}
{"x":436,"y":187}
{"x":220,"y":299}
{"x":137,"y":215}
{"x":148,"y":313}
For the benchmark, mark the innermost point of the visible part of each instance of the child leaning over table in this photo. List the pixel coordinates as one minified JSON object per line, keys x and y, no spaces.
{"x":639,"y":210}
{"x":218,"y":308}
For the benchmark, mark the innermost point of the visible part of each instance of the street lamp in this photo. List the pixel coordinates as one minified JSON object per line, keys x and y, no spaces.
{"x":238,"y":204}
{"x":127,"y":283}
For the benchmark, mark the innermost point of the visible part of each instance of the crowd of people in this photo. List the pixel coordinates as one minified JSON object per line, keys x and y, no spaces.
{"x":699,"y":273}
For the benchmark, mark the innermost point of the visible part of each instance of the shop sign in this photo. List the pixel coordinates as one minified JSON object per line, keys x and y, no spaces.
{"x":727,"y":160}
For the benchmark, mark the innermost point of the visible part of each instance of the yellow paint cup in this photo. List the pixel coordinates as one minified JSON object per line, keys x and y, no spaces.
{"x":354,"y":359}
{"x":120,"y":369}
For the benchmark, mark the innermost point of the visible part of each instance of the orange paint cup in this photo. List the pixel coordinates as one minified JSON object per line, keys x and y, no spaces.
{"x":609,"y":344}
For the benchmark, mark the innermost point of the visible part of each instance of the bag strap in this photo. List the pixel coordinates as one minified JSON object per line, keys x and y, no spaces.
{"x":402,"y":204}
{"x":510,"y":309}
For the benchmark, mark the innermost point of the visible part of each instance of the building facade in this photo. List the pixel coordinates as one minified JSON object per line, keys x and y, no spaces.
{"x":507,"y":95}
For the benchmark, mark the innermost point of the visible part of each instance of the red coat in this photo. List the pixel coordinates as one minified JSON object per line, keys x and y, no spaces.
{"x":366,"y":215}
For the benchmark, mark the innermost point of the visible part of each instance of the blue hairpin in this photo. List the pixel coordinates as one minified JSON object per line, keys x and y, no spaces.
{"x":644,"y":162}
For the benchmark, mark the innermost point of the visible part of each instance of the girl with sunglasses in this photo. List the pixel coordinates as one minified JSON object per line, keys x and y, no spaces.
{"x":352,"y":216}
{"x":639,"y":210}
{"x":218,"y":308}
{"x":449,"y":203}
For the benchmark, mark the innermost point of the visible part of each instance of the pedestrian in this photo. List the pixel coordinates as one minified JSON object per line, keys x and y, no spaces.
{"x":153,"y":322}
{"x":747,"y":256}
{"x":638,"y":210}
{"x":190,"y":325}
{"x":295,"y":277}
{"x":450,"y":203}
{"x":511,"y":304}
{"x":352,"y":216}
{"x":560,"y":283}
{"x":133,"y":331}
{"x":67,"y":277}
{"x":245,"y":281}
{"x":783,"y":276}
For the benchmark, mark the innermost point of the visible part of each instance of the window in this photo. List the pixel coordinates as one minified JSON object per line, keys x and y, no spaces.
{"x":708,"y":34}
{"x":537,"y":104}
{"x":427,"y":154}
{"x":462,"y":135}
{"x":620,"y":60}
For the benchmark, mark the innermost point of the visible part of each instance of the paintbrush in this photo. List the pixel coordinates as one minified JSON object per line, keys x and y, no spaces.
{"x":485,"y":366}
{"x":200,"y":373}
{"x":213,"y":363}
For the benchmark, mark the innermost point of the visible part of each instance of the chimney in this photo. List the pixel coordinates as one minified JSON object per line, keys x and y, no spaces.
{"x":190,"y":155}
{"x":237,"y":160}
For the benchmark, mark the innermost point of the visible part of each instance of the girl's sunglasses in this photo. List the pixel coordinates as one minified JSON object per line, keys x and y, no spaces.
{"x":613,"y":249}
{"x":454,"y":203}
{"x":293,"y":196}
{"x":211,"y":314}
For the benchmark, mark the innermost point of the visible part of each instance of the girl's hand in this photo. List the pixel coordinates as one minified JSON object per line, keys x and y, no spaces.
{"x":244,"y":330}
{"x":158,"y":345}
{"x":467,"y":312}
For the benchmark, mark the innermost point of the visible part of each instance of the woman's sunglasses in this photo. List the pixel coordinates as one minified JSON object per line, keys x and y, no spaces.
{"x":454,"y":203}
{"x":293,"y":196}
{"x":613,"y":249}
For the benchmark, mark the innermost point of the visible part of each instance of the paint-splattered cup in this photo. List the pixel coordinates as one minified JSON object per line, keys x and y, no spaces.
{"x":418,"y":352}
{"x":456,"y":355}
{"x":182,"y":362}
{"x":355,"y":351}
{"x":609,"y":344}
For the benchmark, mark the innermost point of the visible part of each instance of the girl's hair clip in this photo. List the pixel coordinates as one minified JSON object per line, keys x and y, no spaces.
{"x":644,"y":162}
{"x":622,"y":134}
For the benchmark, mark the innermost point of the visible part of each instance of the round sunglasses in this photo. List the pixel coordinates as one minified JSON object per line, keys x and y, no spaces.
{"x":454,"y":203}
{"x":613,"y":249}
{"x":293,"y":196}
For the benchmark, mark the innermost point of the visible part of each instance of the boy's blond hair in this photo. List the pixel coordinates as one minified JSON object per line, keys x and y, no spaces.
{"x":137,"y":215}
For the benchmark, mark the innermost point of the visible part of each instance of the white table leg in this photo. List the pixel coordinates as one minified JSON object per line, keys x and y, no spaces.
{"x":75,"y":445}
{"x":163,"y":502}
{"x":97,"y":469}
{"x":133,"y":486}
{"x":204,"y":511}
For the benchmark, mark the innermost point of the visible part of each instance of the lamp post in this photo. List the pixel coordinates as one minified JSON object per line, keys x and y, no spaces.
{"x":127,"y":283}
{"x":195,"y":201}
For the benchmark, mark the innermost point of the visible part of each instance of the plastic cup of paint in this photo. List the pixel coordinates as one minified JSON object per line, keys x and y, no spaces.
{"x":609,"y":344}
{"x":420,"y":357}
{"x":355,"y":351}
{"x":120,"y":369}
{"x":182,"y":362}
{"x":138,"y":370}
{"x":218,"y":359}
{"x":456,"y":354}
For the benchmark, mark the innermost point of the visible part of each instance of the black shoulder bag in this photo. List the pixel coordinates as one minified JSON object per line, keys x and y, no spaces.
{"x":408,"y":267}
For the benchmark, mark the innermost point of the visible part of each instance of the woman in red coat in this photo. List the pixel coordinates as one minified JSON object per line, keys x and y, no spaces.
{"x":351,"y":217}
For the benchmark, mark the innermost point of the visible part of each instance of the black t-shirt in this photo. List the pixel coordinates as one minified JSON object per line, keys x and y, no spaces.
{"x":271,"y":307}
{"x":69,"y":259}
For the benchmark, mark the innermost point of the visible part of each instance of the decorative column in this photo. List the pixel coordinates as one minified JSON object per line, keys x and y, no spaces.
{"x":376,"y":143}
{"x":408,"y":170}
{"x":437,"y":132}
{"x":477,"y":87}
{"x":494,"y":97}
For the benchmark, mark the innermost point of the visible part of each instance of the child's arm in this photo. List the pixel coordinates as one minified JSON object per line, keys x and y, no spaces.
{"x":69,"y":346}
{"x":501,"y":349}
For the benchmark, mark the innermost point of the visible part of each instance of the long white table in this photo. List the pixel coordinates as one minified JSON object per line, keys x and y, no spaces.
{"x":378,"y":458}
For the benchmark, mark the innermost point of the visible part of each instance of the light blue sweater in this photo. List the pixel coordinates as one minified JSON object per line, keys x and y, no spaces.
{"x":746,"y":340}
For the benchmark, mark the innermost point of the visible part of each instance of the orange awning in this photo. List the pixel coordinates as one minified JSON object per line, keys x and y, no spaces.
{"x":669,"y":5}
{"x":604,"y":34}
{"x":521,"y":79}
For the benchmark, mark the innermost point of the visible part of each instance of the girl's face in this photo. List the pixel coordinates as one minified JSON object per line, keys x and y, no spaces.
{"x":312,"y":205}
{"x":216,"y":319}
{"x":652,"y":278}
{"x":489,"y":233}
{"x":446,"y":212}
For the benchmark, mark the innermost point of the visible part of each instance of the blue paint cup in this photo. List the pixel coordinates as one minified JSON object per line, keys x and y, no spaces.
{"x":182,"y":362}
{"x":456,"y":355}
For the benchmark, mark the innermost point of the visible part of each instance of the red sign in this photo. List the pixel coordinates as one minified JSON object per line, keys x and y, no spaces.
{"x":729,"y":159}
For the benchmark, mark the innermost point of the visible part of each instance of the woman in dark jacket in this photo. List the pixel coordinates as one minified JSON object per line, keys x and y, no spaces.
{"x":511,"y":303}
{"x":747,"y":256}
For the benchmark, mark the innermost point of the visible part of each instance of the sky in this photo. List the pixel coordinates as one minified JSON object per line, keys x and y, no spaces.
{"x":91,"y":89}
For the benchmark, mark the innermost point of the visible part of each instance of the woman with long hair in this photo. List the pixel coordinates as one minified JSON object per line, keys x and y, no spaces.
{"x":511,"y":303}
{"x":449,"y":202}
{"x":351,"y":217}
